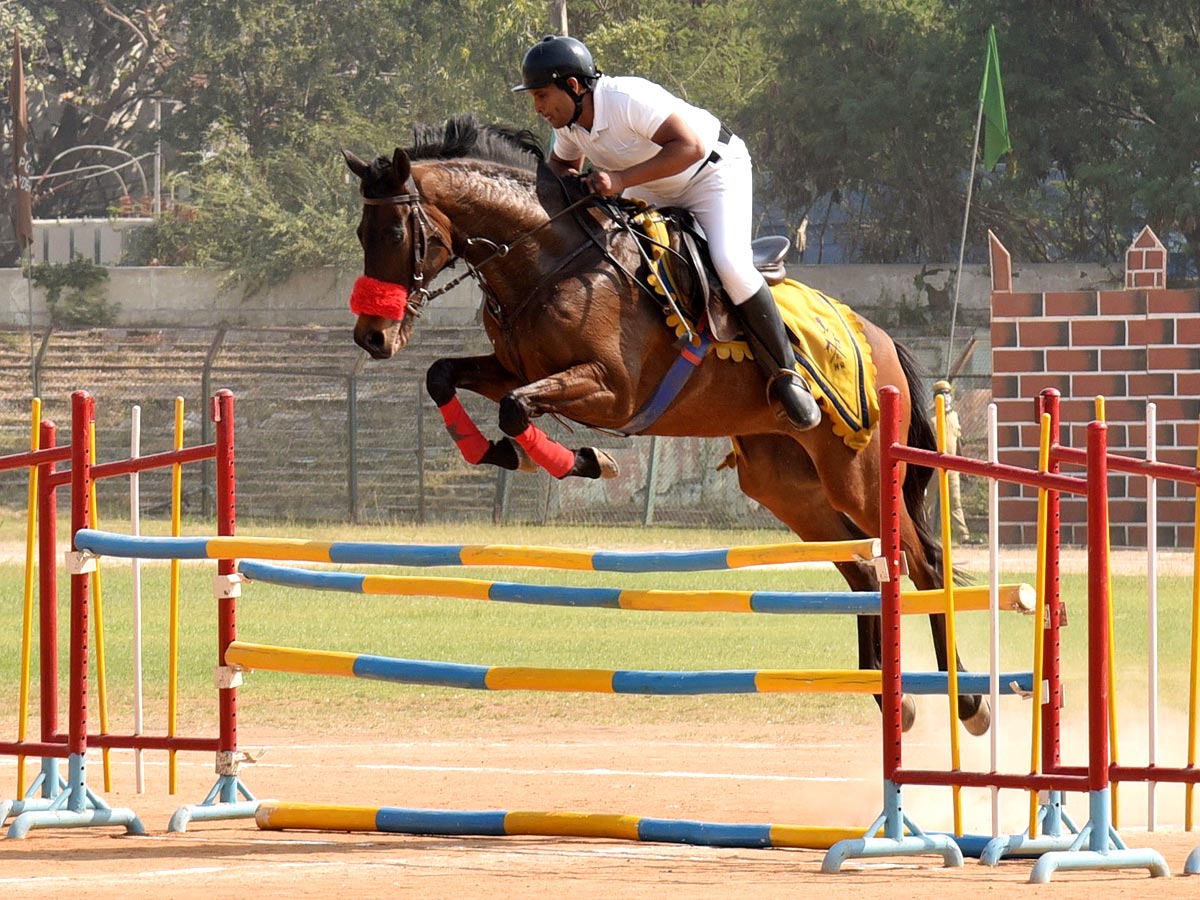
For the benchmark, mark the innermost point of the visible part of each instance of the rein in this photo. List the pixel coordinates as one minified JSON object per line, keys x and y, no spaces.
{"x":420,"y":295}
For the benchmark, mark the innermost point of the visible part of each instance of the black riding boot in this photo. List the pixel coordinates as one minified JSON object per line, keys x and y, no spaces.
{"x":769,"y":339}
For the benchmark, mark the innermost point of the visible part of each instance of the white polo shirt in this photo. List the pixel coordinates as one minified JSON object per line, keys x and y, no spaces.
{"x":626,"y":112}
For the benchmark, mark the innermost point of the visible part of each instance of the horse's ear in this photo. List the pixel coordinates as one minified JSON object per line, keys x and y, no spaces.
{"x":357,"y":166}
{"x":401,"y":166}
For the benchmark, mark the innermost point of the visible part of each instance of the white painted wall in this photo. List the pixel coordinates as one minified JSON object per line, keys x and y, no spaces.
{"x":162,"y":297}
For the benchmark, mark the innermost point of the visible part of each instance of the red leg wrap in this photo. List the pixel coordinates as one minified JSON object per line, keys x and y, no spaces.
{"x":470,"y":440}
{"x":546,"y":452}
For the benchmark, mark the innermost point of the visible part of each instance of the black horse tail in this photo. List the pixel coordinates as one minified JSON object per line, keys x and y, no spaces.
{"x":921,"y":434}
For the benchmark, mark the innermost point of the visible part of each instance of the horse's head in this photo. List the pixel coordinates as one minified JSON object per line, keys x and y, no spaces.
{"x":403,"y":249}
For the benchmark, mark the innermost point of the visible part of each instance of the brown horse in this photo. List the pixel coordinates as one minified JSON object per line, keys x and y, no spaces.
{"x":575,"y":335}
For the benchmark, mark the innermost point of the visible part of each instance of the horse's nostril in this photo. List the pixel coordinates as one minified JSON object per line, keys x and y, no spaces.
{"x":375,"y":339}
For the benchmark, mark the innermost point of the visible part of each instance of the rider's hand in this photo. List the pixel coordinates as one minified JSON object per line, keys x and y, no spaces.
{"x":607,"y":184}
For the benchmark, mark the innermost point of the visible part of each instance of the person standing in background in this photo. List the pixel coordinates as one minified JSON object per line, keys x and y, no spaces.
{"x":958,"y":521}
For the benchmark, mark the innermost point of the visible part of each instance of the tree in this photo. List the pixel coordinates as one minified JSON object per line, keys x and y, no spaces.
{"x":91,"y":71}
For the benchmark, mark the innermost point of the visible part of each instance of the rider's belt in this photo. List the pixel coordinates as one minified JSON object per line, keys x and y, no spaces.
{"x":724,"y":137}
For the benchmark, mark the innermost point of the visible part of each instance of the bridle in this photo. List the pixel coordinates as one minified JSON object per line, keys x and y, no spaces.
{"x":419,"y":225}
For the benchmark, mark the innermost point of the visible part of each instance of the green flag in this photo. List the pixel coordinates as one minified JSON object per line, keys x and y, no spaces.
{"x":991,"y":97}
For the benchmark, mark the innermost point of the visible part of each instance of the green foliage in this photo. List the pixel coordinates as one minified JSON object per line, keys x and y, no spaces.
{"x":864,"y":108}
{"x":75,"y":292}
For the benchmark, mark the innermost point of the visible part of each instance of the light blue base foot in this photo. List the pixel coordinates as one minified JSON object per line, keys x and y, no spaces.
{"x":1023,"y":845}
{"x":221,"y":803}
{"x":1192,"y":866}
{"x":1094,"y":859}
{"x":211,"y":812}
{"x":65,"y":818}
{"x":864,"y":848}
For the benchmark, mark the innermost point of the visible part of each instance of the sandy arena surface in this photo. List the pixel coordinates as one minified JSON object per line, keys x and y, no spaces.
{"x":811,"y":775}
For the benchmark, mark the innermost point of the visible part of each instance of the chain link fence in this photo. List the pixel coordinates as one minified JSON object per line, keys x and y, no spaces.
{"x":323,"y":434}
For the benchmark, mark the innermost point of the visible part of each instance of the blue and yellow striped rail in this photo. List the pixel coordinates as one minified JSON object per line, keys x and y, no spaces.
{"x":104,"y":543}
{"x":603,"y":681}
{"x":276,"y":816}
{"x":273,"y":815}
{"x":1012,"y":597}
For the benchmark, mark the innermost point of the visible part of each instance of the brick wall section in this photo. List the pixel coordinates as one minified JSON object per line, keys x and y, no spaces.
{"x":1130,"y":346}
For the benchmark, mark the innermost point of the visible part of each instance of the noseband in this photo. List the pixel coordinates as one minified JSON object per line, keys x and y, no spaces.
{"x":419,"y":225}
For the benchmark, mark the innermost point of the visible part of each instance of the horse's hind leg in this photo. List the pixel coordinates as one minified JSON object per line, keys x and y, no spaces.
{"x":777,"y":472}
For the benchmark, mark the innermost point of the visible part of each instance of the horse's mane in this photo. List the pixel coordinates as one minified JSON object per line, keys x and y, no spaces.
{"x":464,"y":137}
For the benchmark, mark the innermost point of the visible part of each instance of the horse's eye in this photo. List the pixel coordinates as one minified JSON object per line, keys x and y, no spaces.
{"x":396,"y":234}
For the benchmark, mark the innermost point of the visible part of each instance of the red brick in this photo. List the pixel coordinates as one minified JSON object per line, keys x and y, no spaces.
{"x":1108,"y":384}
{"x":1071,"y":303}
{"x":1155,"y":259}
{"x":1172,"y":359}
{"x":1146,"y":279}
{"x":1176,"y":302}
{"x":1123,"y":359}
{"x":1187,"y":384}
{"x":1078,"y":410}
{"x":1122,"y":409}
{"x":1135,"y":260}
{"x":1187,"y":329}
{"x":1040,"y":333}
{"x":1143,"y":332}
{"x":1015,"y":411}
{"x":1098,"y":333}
{"x":1122,"y":303}
{"x":1016,"y":306}
{"x":1018,"y":360}
{"x":1004,"y":386}
{"x":1151,"y":384}
{"x":1178,"y":456}
{"x":1177,"y":510}
{"x":1004,"y":334}
{"x":1032,"y":385}
{"x":1008,"y":435}
{"x":1073,"y":512}
{"x":1031,"y":436}
{"x":1127,"y":510}
{"x":1062,"y":360}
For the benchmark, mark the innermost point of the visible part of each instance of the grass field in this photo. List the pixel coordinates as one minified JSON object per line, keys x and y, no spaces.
{"x":511,"y":634}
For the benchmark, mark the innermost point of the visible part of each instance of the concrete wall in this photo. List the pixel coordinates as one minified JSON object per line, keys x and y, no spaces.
{"x":170,"y":296}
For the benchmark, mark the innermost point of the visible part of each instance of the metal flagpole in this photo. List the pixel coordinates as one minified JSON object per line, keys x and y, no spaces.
{"x":962,"y":246}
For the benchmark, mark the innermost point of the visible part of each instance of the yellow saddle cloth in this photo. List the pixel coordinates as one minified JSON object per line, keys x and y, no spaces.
{"x":831,"y":351}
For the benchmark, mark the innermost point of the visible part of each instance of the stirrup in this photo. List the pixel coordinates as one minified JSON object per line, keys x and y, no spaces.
{"x":806,"y":414}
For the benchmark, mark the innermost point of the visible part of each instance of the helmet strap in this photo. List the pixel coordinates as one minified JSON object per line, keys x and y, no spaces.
{"x":578,"y":98}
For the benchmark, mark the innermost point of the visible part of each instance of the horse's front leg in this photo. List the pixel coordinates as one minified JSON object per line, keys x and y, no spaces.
{"x":566,"y":392}
{"x":485,"y":376}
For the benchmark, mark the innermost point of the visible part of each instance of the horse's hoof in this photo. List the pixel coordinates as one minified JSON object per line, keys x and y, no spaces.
{"x":608,"y":465}
{"x":979,"y":723}
{"x":524,"y":463}
{"x":908,"y":712}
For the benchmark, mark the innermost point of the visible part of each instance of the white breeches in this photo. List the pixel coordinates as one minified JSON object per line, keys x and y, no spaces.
{"x":721,"y":197}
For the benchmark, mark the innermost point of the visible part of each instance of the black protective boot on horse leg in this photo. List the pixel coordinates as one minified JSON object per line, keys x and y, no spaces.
{"x":773,"y":350}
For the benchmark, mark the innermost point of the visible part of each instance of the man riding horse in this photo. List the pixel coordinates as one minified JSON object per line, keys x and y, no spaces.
{"x":647,"y":144}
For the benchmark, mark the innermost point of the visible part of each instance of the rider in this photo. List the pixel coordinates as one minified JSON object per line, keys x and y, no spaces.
{"x":646,"y":143}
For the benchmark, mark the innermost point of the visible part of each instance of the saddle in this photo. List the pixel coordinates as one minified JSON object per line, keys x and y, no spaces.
{"x":674,"y":242}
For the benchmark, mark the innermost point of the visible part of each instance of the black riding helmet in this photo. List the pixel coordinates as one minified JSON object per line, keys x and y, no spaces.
{"x":553,"y":60}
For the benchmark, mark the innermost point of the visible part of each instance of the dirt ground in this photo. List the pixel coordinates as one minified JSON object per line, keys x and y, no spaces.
{"x":812,"y":775}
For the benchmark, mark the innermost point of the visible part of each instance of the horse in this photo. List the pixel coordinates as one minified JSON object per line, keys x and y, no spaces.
{"x":575,"y":334}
